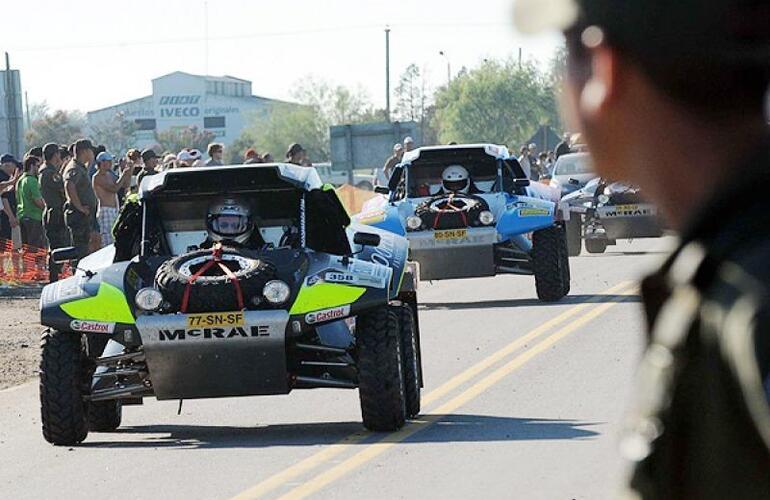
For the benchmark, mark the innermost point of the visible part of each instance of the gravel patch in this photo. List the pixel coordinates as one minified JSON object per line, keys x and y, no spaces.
{"x":19,"y":340}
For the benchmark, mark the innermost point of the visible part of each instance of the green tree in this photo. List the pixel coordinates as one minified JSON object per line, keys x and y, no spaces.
{"x":320,"y":105}
{"x":60,"y":126}
{"x":176,"y":139}
{"x":116,"y":133}
{"x":499,"y":102}
{"x":411,"y":96}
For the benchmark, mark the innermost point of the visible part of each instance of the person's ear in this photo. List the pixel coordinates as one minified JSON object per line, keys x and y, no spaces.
{"x":602,"y":86}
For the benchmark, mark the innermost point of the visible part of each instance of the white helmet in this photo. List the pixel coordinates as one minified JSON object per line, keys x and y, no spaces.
{"x":456,"y":179}
{"x":229,"y":219}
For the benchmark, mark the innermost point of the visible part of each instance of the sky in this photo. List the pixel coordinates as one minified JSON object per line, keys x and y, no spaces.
{"x":105,"y":52}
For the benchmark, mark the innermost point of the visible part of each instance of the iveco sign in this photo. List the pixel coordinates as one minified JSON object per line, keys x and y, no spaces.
{"x":179,"y":106}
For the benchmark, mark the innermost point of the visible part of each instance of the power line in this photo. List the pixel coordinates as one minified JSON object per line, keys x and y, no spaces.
{"x":249,"y":36}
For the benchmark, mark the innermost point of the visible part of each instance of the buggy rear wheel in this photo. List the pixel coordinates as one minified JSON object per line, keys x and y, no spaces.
{"x":63,"y":381}
{"x":104,"y":416}
{"x":596,"y":245}
{"x":381,"y":376}
{"x":574,"y":229}
{"x":550,"y":263}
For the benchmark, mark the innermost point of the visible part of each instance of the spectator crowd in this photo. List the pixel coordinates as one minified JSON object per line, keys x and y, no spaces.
{"x":70,"y":195}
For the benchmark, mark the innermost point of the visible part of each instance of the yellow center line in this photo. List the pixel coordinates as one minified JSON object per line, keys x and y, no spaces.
{"x":372,"y":451}
{"x":331,"y":451}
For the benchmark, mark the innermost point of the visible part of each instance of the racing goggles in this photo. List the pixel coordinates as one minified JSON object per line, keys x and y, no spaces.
{"x":229,"y":224}
{"x":455,"y":186}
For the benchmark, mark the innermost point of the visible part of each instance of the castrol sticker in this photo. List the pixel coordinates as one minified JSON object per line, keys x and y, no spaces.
{"x":92,"y":326}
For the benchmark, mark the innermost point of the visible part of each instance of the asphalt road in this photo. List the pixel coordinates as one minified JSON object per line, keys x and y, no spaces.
{"x":522,"y":400}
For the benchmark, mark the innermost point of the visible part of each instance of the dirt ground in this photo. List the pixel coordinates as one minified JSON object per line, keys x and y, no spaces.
{"x":19,"y":340}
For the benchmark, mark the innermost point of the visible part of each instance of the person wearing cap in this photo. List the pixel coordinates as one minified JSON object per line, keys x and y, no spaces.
{"x":295,"y":154}
{"x":8,"y":164}
{"x":149,"y":161}
{"x":671,"y":96}
{"x":184,"y":159}
{"x":408,"y":144}
{"x":52,"y":191}
{"x":216,"y":152}
{"x":80,"y":208}
{"x":106,"y":188}
{"x":30,"y":204}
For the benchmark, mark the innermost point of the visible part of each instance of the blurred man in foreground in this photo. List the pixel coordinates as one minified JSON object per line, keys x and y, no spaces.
{"x":670,"y":96}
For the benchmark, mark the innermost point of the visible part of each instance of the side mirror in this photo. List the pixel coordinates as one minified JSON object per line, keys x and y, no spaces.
{"x":395,"y":178}
{"x":366,"y":239}
{"x":381,"y":189}
{"x":574,"y":181}
{"x":65,"y":254}
{"x":521,"y":183}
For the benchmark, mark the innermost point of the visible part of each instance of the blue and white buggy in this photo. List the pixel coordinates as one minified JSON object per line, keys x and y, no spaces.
{"x":469,"y":211}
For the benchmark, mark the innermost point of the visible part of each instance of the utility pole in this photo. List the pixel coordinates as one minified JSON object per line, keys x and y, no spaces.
{"x":206,"y":38}
{"x":26,"y":103}
{"x":448,"y":67}
{"x":519,"y":57}
{"x":10,"y":107}
{"x":387,"y":72}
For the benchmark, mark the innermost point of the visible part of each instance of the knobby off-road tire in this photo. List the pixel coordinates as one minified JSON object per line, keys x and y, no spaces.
{"x":63,"y":380}
{"x":596,"y":246}
{"x":380,"y":370}
{"x":212,"y":293}
{"x":550,"y":263}
{"x":104,"y":416}
{"x":574,"y":228}
{"x":410,"y":360}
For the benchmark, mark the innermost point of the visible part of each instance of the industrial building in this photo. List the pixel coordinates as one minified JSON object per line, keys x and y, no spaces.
{"x":221,"y":105}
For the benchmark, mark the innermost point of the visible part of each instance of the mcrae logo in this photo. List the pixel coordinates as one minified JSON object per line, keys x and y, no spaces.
{"x":327,"y":315}
{"x":219,"y":333}
{"x":92,"y":326}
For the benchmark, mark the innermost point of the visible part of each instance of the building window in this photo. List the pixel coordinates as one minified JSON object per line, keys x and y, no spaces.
{"x":213,"y":122}
{"x":210,"y":87}
{"x":145,"y":124}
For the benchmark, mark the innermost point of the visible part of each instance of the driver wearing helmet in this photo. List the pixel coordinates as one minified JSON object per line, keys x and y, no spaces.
{"x":455,"y":180}
{"x":230,"y":221}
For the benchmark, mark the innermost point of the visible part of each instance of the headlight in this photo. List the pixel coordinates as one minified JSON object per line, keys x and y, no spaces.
{"x":486,"y":217}
{"x":148,"y":299}
{"x":604,"y":199}
{"x":588,"y":204}
{"x":276,"y":292}
{"x":413,"y":222}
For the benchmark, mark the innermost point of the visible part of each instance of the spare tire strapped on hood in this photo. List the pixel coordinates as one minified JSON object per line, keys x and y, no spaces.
{"x":212,"y":293}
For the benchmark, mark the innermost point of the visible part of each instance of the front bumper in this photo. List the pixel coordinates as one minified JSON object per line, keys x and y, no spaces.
{"x":240,"y":356}
{"x":440,"y":259}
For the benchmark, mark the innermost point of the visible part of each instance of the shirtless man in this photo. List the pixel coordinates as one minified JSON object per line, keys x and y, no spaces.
{"x":106,"y":189}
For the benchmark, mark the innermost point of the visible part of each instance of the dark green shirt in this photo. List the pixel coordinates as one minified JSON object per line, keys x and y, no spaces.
{"x":77,"y":173}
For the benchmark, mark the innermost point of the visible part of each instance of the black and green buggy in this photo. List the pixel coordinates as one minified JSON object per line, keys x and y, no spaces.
{"x":322,"y":303}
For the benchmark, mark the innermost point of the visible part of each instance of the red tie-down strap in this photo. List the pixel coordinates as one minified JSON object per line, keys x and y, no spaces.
{"x":216,"y":258}
{"x":450,"y":208}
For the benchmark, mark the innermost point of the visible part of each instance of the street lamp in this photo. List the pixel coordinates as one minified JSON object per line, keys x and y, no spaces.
{"x":448,"y":67}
